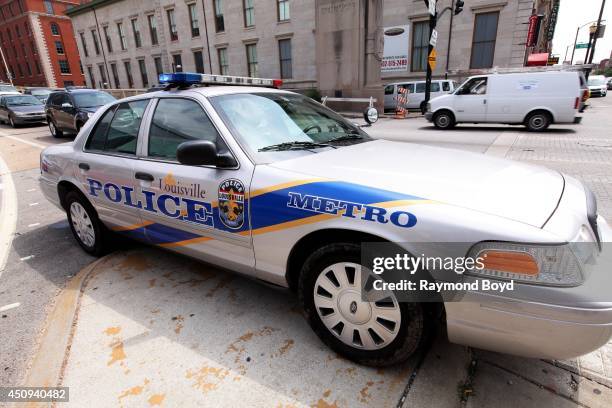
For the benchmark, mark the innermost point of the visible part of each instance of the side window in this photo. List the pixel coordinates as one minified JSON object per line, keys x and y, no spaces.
{"x":435,"y":87}
{"x":123,"y":130}
{"x":475,"y":86}
{"x":420,"y":87}
{"x":409,"y":87}
{"x":176,"y":121}
{"x":389,"y":89}
{"x":97,"y":138}
{"x":445,"y":86}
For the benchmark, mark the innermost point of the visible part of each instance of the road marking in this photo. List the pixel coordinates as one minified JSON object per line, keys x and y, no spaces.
{"x":33,"y":204}
{"x":8,"y":213}
{"x":9,"y":307}
{"x":502,"y":144}
{"x":18,"y":139}
{"x":36,"y":224}
{"x":26,"y":258}
{"x":30,"y":190}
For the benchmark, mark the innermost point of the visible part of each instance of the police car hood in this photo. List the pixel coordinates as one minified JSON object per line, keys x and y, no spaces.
{"x":505,"y":188}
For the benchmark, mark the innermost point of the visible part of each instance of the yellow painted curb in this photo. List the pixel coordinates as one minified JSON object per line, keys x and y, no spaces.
{"x":50,"y":360}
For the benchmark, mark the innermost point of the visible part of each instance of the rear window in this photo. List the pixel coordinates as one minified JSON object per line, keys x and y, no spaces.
{"x":92,"y":99}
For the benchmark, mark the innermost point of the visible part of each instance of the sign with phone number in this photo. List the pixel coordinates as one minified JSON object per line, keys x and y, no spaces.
{"x":394,"y":63}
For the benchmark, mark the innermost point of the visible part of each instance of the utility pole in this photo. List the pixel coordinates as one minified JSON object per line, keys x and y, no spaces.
{"x":596,"y":34}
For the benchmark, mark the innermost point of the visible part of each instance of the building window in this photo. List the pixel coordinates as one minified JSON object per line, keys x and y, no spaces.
{"x":172,"y":25}
{"x":10,"y":36}
{"x":64,"y":66}
{"x":109,"y":43}
{"x":115,"y":75}
{"x":251,"y":50}
{"x":17,"y":31}
{"x":34,"y":50}
{"x":59,"y":47}
{"x":121,"y":36}
{"x":103,"y":75}
{"x":283,"y":10}
{"x":68,"y":83}
{"x":94,"y":36}
{"x":420,"y":44}
{"x":143,"y":73}
{"x":84,"y":44}
{"x":55,"y":29}
{"x":25,"y":52}
{"x":193,"y":19}
{"x":158,"y":66}
{"x":28,"y":68}
{"x":48,"y":7}
{"x":219,"y":23}
{"x":249,"y":13}
{"x":153,"y":29}
{"x":81,"y":66}
{"x":223,"y":63}
{"x":27,"y":28}
{"x":483,"y":42}
{"x":136,"y":32}
{"x":92,"y":79}
{"x":199,"y":61}
{"x":37,"y":66}
{"x":128,"y":72}
{"x":21,"y":70}
{"x":284,"y":49}
{"x":177,"y":62}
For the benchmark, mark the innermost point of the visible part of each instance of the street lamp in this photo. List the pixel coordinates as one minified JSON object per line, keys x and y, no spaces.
{"x":576,"y":38}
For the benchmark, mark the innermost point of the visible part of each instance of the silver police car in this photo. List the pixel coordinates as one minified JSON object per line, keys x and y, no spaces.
{"x":274,"y":185}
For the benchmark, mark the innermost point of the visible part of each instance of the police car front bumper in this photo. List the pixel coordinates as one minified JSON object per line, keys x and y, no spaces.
{"x":581,"y":324}
{"x":429,"y":116}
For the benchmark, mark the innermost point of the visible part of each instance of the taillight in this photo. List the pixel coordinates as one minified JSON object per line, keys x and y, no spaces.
{"x":577,"y":103}
{"x":585,"y":95}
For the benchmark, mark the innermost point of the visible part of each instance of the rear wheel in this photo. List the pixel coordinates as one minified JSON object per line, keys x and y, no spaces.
{"x":84,"y":223}
{"x":538,"y":121}
{"x":371,"y":333}
{"x":55,"y":132}
{"x":444,"y":120}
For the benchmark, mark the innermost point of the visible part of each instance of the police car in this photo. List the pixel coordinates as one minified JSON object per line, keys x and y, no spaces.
{"x":274,"y":185}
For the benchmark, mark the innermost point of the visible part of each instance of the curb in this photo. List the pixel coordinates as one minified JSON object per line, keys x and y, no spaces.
{"x":50,"y":359}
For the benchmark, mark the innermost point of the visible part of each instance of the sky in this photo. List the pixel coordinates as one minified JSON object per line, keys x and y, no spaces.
{"x":574,"y":13}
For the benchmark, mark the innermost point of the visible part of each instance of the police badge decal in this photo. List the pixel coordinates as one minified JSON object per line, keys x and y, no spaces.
{"x":231,"y":203}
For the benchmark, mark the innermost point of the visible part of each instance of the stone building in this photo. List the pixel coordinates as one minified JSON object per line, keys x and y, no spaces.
{"x":336,"y":46}
{"x":37,"y":43}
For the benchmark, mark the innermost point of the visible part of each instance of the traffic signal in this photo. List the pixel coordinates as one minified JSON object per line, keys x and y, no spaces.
{"x":458,"y":7}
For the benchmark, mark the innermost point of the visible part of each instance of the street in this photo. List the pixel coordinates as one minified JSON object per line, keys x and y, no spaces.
{"x":150,"y":327}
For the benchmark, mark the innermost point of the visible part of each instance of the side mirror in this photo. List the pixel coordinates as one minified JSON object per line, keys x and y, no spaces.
{"x":203,"y":153}
{"x":370,"y":115}
{"x":66,"y":105}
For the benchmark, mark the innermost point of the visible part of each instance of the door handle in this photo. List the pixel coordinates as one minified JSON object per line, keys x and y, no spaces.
{"x":84,"y":166}
{"x":484,"y":101}
{"x":144,"y":176}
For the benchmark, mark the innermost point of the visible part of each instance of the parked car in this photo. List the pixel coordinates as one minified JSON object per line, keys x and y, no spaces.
{"x":609,"y":83}
{"x":416,"y":92}
{"x":68,"y":110}
{"x":8,"y":89}
{"x":598,"y":85}
{"x":21,"y":109}
{"x":41,"y":93}
{"x":534,"y":99}
{"x":276,"y":186}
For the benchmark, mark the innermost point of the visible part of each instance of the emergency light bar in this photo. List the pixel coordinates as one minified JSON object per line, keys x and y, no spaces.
{"x":189,"y":78}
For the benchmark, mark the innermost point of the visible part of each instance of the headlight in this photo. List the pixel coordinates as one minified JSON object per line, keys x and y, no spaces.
{"x":552,"y":265}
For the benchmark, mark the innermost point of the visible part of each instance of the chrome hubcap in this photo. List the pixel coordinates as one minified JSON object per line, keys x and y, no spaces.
{"x":52,"y":128}
{"x":357,"y":323}
{"x":82,"y":224}
{"x":443,"y":121}
{"x":537,"y":122}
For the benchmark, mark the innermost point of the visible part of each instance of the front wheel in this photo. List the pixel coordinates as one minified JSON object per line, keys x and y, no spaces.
{"x":378,"y":333}
{"x":444,"y":120}
{"x":55,"y":132}
{"x":12,"y":122}
{"x":538,"y":121}
{"x":85,"y":225}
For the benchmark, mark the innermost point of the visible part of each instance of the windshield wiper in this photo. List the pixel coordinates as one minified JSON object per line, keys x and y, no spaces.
{"x":349,"y":136}
{"x":295,"y":145}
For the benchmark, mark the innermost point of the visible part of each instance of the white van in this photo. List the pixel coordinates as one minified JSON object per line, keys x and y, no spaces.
{"x":416,"y":92}
{"x":532,"y":99}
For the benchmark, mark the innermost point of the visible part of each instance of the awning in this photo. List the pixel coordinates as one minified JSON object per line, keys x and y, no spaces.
{"x":540,"y":59}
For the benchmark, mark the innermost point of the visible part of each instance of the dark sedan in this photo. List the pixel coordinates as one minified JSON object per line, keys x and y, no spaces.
{"x":21,"y":109}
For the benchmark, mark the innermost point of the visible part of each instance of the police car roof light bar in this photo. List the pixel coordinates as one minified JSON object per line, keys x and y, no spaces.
{"x":181,"y":79}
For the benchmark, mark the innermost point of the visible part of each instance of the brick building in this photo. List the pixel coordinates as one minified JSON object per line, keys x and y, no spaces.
{"x":38,"y":43}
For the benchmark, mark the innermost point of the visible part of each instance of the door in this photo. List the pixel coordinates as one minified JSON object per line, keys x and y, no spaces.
{"x":201,"y":211}
{"x":105,"y":167}
{"x":470,"y":101}
{"x":417,"y":96}
{"x":3,"y":109}
{"x":390,"y":97}
{"x":64,"y":114}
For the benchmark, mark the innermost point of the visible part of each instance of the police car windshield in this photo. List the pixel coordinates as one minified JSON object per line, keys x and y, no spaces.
{"x":265,"y":120}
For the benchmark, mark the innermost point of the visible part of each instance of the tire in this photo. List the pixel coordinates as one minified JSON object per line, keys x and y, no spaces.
{"x":402,"y":340}
{"x":55,"y":132}
{"x":85,"y":224}
{"x":444,"y":120}
{"x":12,"y":122}
{"x":538,"y":121}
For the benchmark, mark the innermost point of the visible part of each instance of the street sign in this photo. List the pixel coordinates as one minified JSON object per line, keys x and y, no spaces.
{"x":434,"y":37}
{"x":582,"y":45}
{"x":432,"y":7}
{"x":552,"y":61}
{"x":432,"y":59}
